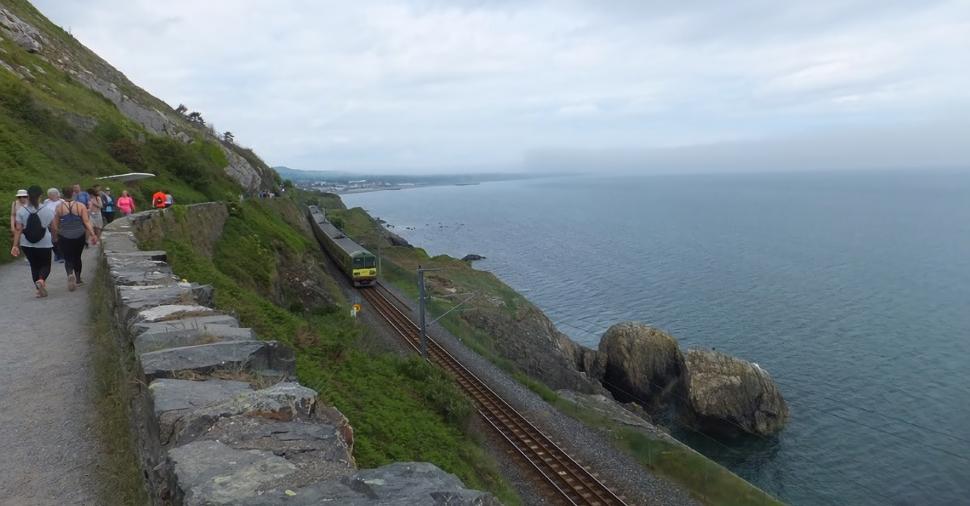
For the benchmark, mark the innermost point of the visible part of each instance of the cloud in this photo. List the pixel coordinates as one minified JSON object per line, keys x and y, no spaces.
{"x":419,"y":84}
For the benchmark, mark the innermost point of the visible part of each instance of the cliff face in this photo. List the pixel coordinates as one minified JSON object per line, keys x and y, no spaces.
{"x":33,"y":34}
{"x":528,"y":338}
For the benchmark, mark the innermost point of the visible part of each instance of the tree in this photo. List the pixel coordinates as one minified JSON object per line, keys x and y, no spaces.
{"x":196,"y":117}
{"x":181,"y":109}
{"x":228,"y":137}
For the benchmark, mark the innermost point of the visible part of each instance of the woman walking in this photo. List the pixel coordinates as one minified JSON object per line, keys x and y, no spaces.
{"x":32,"y":237}
{"x":126,"y":204}
{"x":18,"y":202}
{"x":94,"y":212}
{"x":71,"y":222}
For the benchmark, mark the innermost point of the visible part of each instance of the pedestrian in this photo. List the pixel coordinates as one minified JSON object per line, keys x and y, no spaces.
{"x":53,"y":201}
{"x":32,"y":237}
{"x":94,"y":212}
{"x":71,"y":223}
{"x":108,"y":211}
{"x":19,"y":201}
{"x":79,"y":195}
{"x":158,"y":200}
{"x":169,"y":200}
{"x":126,"y":204}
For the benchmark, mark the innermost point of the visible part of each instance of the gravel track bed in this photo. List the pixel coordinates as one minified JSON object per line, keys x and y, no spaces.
{"x":587,"y":445}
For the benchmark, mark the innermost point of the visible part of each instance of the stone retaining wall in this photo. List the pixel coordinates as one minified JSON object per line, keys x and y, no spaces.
{"x":218,"y":417}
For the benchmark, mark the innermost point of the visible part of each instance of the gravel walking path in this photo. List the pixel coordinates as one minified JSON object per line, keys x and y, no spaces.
{"x":48,"y":445}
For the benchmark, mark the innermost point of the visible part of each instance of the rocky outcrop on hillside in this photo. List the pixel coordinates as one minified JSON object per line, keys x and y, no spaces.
{"x":21,"y":33}
{"x":729,"y":395}
{"x":530,"y":339}
{"x":638,"y":363}
{"x":69,"y":56}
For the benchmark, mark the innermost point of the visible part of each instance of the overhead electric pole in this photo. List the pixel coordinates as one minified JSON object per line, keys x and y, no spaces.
{"x":421,"y":306}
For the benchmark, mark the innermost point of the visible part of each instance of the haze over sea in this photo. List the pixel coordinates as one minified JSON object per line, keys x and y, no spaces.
{"x":851,"y":288}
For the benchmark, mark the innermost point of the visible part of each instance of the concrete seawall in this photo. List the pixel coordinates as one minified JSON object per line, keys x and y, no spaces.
{"x":217,"y":414}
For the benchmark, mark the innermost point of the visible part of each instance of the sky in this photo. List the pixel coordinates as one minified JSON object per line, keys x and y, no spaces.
{"x":431,"y":86}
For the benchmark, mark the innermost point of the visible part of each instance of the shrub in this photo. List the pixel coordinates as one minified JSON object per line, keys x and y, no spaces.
{"x":128,"y":152}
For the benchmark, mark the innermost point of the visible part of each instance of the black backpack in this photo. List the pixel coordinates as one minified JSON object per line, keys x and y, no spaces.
{"x":34,"y":230}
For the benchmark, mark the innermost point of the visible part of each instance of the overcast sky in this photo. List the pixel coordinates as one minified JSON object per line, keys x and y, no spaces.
{"x":460,"y":85}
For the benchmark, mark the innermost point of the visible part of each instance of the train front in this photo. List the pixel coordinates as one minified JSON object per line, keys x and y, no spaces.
{"x":364,"y":271}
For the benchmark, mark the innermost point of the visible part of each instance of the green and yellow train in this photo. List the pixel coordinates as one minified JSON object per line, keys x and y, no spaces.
{"x":358,"y":264}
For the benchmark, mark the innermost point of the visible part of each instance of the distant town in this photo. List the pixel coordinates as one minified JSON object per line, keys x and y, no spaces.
{"x":345,"y":182}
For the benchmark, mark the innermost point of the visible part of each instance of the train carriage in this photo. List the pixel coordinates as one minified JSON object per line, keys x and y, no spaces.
{"x":354,"y":260}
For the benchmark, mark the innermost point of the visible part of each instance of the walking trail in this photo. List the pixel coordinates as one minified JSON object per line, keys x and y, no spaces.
{"x":48,"y":444}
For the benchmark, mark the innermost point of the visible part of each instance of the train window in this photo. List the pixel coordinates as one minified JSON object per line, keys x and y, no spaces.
{"x":364,"y":262}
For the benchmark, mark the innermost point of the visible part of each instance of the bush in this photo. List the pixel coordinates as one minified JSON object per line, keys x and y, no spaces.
{"x":128,"y":152}
{"x":177,"y":159}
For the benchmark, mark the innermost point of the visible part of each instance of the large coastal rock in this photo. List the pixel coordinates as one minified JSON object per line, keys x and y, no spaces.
{"x":638,"y":363}
{"x":728,"y":395}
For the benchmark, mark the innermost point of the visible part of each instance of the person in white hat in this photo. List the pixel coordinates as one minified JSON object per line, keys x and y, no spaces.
{"x":19,"y":201}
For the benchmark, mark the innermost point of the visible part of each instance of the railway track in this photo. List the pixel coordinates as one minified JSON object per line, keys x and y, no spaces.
{"x":570,"y":480}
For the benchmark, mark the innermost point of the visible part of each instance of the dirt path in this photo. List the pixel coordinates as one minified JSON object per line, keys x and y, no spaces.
{"x":48,"y":447}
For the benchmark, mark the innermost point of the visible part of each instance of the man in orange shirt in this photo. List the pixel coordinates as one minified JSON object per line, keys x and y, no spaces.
{"x":158,"y":200}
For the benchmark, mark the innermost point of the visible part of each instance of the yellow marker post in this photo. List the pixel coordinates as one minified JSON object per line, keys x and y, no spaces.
{"x":354,"y":310}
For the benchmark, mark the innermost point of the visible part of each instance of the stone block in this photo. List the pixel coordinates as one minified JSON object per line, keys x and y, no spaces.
{"x":189,"y":322}
{"x":250,"y":356}
{"x":287,"y":401}
{"x":133,"y":299}
{"x":317,"y":449}
{"x":170,"y":312}
{"x":209,"y":472}
{"x":399,"y":484}
{"x":167,"y":337}
{"x":173,"y":398}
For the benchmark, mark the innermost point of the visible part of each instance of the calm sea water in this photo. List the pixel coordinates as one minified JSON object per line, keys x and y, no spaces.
{"x":851,"y":289}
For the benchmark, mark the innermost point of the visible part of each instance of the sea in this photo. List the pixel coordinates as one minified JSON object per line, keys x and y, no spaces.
{"x":852,"y":289}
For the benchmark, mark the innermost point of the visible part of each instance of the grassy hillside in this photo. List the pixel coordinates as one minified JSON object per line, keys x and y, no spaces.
{"x":55,"y":131}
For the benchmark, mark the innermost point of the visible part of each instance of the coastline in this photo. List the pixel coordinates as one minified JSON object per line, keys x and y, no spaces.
{"x":480,"y":337}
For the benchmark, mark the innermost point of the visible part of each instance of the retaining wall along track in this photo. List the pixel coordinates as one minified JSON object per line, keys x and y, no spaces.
{"x":217,"y":415}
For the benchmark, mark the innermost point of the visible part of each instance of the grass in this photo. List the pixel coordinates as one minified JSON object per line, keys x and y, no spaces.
{"x":119,"y":477}
{"x":401,"y":409}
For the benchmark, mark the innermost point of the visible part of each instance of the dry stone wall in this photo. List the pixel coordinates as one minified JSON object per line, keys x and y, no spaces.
{"x":217,"y":415}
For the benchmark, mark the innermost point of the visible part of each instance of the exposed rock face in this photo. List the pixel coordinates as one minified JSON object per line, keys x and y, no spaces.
{"x":472,"y":258}
{"x":637,"y":362}
{"x":729,"y":395}
{"x":396,"y":240}
{"x":530,"y":340}
{"x":23,"y":34}
{"x":242,"y":171}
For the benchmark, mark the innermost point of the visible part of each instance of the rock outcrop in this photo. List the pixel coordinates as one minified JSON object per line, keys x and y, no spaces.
{"x":530,"y":339}
{"x":637,"y":363}
{"x":217,"y":417}
{"x":728,"y":395}
{"x":21,"y":33}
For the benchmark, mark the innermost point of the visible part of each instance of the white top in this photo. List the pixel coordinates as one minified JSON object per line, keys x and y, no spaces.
{"x":46,"y":215}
